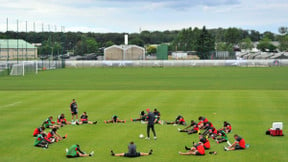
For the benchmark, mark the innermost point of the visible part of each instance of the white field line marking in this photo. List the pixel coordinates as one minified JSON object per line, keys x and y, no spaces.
{"x":10,"y":105}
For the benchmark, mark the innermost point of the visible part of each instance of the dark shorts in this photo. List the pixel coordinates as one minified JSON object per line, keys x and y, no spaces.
{"x":237,"y":147}
{"x":198,"y":153}
{"x":74,"y":113}
{"x":132,"y":155}
{"x":192,"y":131}
{"x":70,"y":156}
{"x":85,"y":121}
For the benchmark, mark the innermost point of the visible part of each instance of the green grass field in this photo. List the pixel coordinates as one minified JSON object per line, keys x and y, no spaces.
{"x":249,"y":98}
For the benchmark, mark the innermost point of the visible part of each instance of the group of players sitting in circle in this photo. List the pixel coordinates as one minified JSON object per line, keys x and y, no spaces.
{"x":209,"y":131}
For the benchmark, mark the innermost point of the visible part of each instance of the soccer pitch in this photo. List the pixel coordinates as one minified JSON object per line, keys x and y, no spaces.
{"x":249,"y":98}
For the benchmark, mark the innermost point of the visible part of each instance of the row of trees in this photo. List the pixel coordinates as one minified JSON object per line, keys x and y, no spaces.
{"x":201,"y":40}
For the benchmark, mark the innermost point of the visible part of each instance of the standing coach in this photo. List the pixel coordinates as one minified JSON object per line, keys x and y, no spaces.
{"x":74,"y":110}
{"x":150,"y":125}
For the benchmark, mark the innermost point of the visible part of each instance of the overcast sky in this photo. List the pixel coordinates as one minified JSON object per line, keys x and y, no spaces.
{"x":135,"y":15}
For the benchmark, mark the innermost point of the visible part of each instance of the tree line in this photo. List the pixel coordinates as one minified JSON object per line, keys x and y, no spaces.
{"x":190,"y":39}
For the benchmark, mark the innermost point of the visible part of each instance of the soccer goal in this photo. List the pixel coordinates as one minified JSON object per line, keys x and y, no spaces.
{"x":24,"y":67}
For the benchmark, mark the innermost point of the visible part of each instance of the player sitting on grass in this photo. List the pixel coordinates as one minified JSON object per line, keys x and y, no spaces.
{"x":142,"y":117}
{"x":179,"y":120}
{"x":157,"y":116}
{"x":74,"y":151}
{"x":48,"y":123}
{"x":197,"y":149}
{"x":204,"y":141}
{"x":54,"y":136}
{"x":115,"y":119}
{"x":61,"y":120}
{"x":42,"y":141}
{"x":38,"y":131}
{"x":132,"y":152}
{"x":84,"y":119}
{"x":239,"y":144}
{"x":227,"y":127}
{"x":210,"y":130}
{"x":194,"y":129}
{"x":202,"y":122}
{"x":221,"y":136}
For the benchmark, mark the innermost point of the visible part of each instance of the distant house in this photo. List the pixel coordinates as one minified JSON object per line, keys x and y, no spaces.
{"x":124,"y":52}
{"x":17,"y":48}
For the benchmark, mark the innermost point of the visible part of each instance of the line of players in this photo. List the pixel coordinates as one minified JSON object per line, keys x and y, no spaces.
{"x":209,"y":131}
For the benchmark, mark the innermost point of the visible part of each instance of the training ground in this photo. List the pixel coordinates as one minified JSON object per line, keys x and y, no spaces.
{"x":249,"y":98}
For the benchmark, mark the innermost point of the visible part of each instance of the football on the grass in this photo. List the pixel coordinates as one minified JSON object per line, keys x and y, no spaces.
{"x":141,"y":136}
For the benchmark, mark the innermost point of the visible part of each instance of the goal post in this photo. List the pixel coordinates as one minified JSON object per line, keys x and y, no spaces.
{"x":24,"y":68}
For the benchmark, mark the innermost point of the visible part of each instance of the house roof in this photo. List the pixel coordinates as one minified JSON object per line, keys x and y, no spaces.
{"x":124,"y":47}
{"x":12,"y":43}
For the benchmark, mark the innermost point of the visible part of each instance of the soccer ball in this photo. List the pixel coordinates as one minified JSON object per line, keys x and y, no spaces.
{"x":141,"y":136}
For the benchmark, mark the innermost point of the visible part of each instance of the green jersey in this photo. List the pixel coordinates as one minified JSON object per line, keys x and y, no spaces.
{"x":224,"y":135}
{"x":72,"y":151}
{"x":38,"y":139}
{"x":47,"y":123}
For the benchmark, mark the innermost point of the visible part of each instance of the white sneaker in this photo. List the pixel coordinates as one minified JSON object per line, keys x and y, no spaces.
{"x":66,"y":150}
{"x":92,"y":153}
{"x":179,"y":129}
{"x":155,"y":138}
{"x":175,"y":125}
{"x":147,"y":138}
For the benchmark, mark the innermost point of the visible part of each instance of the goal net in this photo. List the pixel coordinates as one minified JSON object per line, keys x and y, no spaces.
{"x":24,"y":68}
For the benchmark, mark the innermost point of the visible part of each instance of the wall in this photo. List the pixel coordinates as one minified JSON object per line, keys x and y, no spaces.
{"x":178,"y":63}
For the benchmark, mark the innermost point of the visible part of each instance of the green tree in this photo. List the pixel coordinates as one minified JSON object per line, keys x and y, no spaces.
{"x":186,"y":39}
{"x":283,"y":43}
{"x":205,"y":44}
{"x":266,"y":45}
{"x":48,"y":47}
{"x":283,"y":30}
{"x":151,"y":49}
{"x":246,"y":44}
{"x":92,"y":45}
{"x":109,"y":43}
{"x":137,"y":41}
{"x":86,"y":45}
{"x":223,"y":46}
{"x":254,"y":35}
{"x":233,"y":36}
{"x":269,"y":35}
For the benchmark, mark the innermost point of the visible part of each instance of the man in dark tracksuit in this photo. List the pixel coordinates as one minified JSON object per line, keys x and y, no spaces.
{"x":150,"y":125}
{"x":74,"y":110}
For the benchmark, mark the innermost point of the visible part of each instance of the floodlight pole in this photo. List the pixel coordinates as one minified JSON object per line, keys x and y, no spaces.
{"x":17,"y":41}
{"x":7,"y":42}
{"x":26,"y":43}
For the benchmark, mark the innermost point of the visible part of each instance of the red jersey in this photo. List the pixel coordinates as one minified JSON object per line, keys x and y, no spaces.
{"x":37,"y":131}
{"x":241,"y":142}
{"x":205,"y":142}
{"x":200,"y":149}
{"x":196,"y":128}
{"x":50,"y":134}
